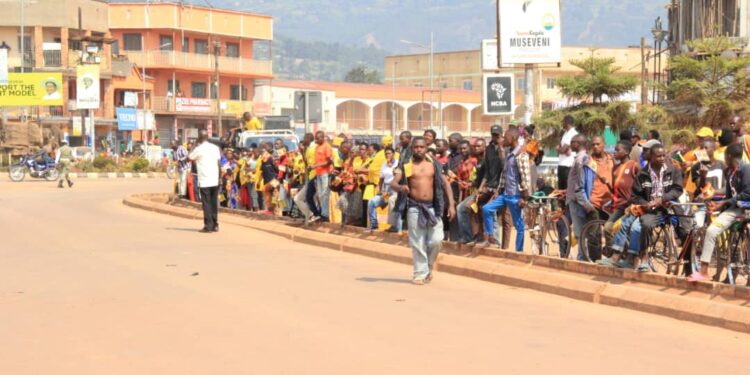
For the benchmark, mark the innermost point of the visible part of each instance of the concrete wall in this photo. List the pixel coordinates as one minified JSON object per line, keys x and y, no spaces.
{"x":58,"y":13}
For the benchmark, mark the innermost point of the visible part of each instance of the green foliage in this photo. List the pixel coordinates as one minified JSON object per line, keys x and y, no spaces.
{"x":361,"y":74}
{"x":104,"y":164}
{"x":137,"y":165}
{"x":600,"y":78}
{"x":709,"y":85}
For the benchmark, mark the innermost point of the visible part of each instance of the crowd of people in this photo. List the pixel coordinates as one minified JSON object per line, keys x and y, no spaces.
{"x":472,"y":191}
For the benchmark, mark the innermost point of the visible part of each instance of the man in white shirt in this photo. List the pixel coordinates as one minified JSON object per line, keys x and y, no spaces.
{"x":567,"y":156}
{"x":207,"y":157}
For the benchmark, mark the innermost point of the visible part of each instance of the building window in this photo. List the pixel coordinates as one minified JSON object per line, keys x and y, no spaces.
{"x":28,"y":53}
{"x":165,"y":43}
{"x":198,"y":89}
{"x":116,"y":47}
{"x":186,"y":45}
{"x":132,"y":42}
{"x":443,"y":85}
{"x":234,"y":92}
{"x":176,"y":84}
{"x":551,"y":83}
{"x":468,"y":84}
{"x":201,"y":46}
{"x":521,"y":84}
{"x":213,"y":90}
{"x":233,"y":50}
{"x":418,"y":84}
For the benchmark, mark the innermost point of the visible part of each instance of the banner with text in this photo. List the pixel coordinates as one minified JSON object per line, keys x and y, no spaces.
{"x":195,"y":105}
{"x":498,"y":95}
{"x":87,"y":87}
{"x":30,"y":89}
{"x":126,"y":118}
{"x":530,"y":31}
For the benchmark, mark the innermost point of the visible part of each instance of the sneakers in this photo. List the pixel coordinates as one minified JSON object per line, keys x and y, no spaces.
{"x":428,"y":279}
{"x":70,"y":184}
{"x":313,"y":219}
{"x":622,"y":263}
{"x":606,"y":262}
{"x":418,"y":281}
{"x":644,"y":267}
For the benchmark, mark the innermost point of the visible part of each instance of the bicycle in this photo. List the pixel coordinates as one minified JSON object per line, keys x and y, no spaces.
{"x":730,"y":263}
{"x":542,"y":218}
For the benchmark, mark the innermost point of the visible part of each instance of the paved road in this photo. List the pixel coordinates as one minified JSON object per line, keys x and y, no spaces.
{"x":88,"y":286}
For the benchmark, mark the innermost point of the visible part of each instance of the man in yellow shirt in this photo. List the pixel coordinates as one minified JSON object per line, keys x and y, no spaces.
{"x":251,"y":122}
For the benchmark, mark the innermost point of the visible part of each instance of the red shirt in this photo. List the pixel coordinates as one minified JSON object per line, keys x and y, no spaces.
{"x":625,"y":174}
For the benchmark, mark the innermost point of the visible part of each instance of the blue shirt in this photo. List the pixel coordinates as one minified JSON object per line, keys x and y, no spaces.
{"x":511,"y":175}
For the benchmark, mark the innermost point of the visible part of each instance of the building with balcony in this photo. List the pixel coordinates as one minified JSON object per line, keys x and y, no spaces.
{"x":462,"y":71}
{"x":59,"y":35}
{"x":202,"y":61}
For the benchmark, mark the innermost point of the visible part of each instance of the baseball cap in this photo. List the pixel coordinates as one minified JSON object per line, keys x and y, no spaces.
{"x":705,"y":132}
{"x":496,"y":129}
{"x":651,"y":143}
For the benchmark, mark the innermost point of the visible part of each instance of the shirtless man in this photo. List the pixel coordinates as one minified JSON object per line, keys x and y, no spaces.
{"x":425,"y":192}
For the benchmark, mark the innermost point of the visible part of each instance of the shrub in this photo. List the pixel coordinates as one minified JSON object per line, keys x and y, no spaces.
{"x":137,"y":165}
{"x":104,"y":163}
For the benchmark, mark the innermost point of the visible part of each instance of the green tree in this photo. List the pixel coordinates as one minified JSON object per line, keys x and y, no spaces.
{"x":362,"y":74}
{"x":709,"y":85}
{"x":600,"y":78}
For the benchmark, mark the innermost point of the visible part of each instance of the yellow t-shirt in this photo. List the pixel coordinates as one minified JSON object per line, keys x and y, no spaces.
{"x":310,"y":157}
{"x":253,"y":124}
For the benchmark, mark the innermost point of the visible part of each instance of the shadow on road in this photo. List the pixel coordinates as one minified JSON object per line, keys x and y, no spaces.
{"x":382,"y":280}
{"x":184,"y":229}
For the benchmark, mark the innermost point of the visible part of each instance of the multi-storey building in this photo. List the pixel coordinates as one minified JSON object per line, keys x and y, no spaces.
{"x":182,"y":47}
{"x":57,"y":37}
{"x":462,"y":70}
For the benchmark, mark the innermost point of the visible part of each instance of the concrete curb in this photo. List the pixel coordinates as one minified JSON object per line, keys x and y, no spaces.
{"x":624,"y":294}
{"x":105,"y":175}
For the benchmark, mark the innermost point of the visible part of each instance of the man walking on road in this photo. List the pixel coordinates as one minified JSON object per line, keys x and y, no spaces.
{"x":183,"y":166}
{"x":206,"y":157}
{"x":424,"y":191}
{"x":63,"y":158}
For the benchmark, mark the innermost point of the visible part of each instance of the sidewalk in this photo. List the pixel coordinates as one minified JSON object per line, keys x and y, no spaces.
{"x":706,"y":303}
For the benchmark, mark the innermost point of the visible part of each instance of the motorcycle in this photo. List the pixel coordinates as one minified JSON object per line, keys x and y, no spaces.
{"x":46,"y":169}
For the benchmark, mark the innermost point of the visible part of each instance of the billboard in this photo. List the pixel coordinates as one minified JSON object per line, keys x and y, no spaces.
{"x":31,"y":89}
{"x":530,"y":31}
{"x":498,"y":96}
{"x":87,"y":87}
{"x":126,"y":118}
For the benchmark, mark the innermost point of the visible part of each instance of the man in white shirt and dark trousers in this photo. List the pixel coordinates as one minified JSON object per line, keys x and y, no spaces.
{"x":567,"y":156}
{"x":207,"y":157}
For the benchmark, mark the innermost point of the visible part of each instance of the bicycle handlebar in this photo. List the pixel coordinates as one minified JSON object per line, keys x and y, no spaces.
{"x":688,"y":204}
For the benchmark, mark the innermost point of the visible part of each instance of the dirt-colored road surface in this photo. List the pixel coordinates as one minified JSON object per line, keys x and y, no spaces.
{"x":88,"y":286}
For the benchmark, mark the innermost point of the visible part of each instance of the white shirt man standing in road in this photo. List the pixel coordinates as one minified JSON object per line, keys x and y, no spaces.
{"x":567,"y":156}
{"x":207,"y":156}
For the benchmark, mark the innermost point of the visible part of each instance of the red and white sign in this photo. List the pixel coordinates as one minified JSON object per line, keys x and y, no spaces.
{"x":196,"y":105}
{"x":210,"y":128}
{"x":262,"y":108}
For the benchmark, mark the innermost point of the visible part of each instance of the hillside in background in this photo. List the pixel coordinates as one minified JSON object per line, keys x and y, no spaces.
{"x":323,"y":39}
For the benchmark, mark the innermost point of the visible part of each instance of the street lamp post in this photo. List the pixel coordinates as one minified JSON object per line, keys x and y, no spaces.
{"x":660,"y":36}
{"x":431,"y":48}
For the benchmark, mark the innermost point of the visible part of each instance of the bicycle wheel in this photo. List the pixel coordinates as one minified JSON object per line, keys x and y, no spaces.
{"x":662,"y":254}
{"x":554,"y":244}
{"x":696,"y":247}
{"x":737,"y":268}
{"x":722,"y":255}
{"x":594,"y":239}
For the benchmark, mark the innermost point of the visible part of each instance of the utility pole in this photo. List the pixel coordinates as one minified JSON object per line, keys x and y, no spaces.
{"x":432,"y":87}
{"x":393,"y":103}
{"x":644,"y":91}
{"x":529,"y":98}
{"x":217,"y":50}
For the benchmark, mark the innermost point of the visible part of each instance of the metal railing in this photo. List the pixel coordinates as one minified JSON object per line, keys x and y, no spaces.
{"x":52,"y":58}
{"x":171,"y":59}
